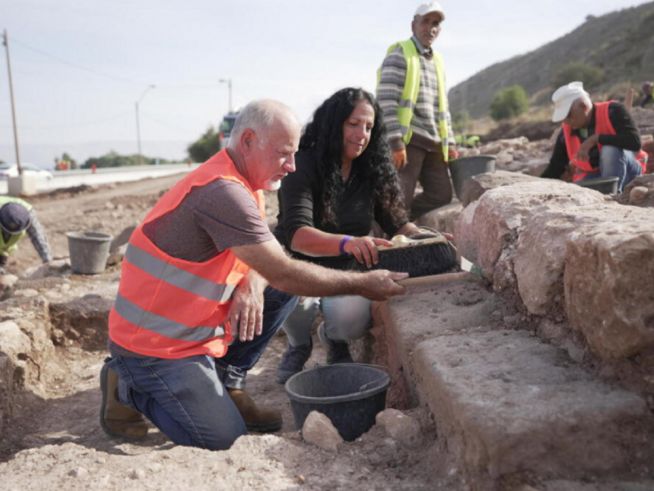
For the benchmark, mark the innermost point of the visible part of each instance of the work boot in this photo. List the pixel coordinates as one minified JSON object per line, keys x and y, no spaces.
{"x":117,"y":419}
{"x":293,"y":361}
{"x":337,"y":351}
{"x":261,"y":420}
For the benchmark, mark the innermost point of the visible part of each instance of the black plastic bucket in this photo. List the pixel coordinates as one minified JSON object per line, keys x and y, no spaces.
{"x":605,"y":185}
{"x":464,"y":168}
{"x":349,"y":394}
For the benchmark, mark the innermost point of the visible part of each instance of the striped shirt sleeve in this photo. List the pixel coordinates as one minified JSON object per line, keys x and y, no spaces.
{"x":37,"y":236}
{"x":389,"y":91}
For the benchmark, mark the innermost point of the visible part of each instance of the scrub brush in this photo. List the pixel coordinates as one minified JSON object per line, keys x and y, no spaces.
{"x":418,"y":256}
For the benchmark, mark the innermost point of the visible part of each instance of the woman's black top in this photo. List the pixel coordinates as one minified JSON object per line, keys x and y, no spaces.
{"x":301,"y":205}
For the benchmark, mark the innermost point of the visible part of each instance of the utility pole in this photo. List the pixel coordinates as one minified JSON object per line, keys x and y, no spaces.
{"x":228,"y":81}
{"x":138,"y":125}
{"x":5,"y":42}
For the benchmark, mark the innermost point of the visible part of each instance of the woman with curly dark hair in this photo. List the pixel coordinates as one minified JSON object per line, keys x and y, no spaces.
{"x":343,"y":183}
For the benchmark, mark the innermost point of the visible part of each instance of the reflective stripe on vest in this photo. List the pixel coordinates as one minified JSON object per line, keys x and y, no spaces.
{"x":172,"y":308}
{"x":158,"y":324}
{"x":176,"y":276}
{"x":603,"y":126}
{"x":409,"y":97}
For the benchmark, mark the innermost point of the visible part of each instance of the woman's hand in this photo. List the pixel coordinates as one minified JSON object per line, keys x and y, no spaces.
{"x":364,"y":249}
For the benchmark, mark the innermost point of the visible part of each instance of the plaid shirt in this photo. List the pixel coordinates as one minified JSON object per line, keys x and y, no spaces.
{"x":424,"y":122}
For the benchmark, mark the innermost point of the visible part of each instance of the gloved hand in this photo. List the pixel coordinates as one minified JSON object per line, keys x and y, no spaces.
{"x":399,"y":158}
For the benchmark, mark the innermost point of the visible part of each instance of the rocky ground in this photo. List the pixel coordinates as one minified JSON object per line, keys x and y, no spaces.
{"x":53,"y":438}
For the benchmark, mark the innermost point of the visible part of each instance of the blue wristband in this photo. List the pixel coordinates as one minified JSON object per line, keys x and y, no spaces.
{"x":341,"y":244}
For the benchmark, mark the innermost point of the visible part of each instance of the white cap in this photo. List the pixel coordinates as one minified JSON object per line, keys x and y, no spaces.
{"x":428,"y":8}
{"x":563,"y":98}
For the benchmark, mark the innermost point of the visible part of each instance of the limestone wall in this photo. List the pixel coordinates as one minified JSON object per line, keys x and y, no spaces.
{"x":575,"y":259}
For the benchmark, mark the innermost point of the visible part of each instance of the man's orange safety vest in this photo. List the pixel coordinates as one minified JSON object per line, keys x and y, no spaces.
{"x":172,"y":308}
{"x":603,"y":126}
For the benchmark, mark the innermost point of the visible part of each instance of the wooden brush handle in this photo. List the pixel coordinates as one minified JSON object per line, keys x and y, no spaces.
{"x":436,"y":279}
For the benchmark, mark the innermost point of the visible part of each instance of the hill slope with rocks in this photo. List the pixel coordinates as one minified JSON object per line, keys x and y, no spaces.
{"x":620,"y":44}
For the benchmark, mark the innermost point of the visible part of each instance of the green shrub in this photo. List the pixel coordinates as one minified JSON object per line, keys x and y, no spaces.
{"x":203,"y":148}
{"x":589,"y":75}
{"x":509,"y":102}
{"x":114,"y":159}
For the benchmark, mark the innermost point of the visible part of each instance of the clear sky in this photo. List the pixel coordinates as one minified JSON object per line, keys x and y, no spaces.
{"x":79,"y":66}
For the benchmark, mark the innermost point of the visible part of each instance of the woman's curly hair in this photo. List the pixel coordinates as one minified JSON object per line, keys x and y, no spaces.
{"x":323,"y":139}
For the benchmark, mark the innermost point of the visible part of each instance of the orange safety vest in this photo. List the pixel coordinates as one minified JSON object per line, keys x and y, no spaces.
{"x":172,"y":308}
{"x":603,"y":126}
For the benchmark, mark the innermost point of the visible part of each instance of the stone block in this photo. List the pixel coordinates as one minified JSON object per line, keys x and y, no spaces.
{"x":609,"y":283}
{"x":474,"y":187}
{"x":540,"y":253}
{"x":505,"y":402}
{"x":495,"y":223}
{"x":441,"y":219}
{"x":403,"y":322}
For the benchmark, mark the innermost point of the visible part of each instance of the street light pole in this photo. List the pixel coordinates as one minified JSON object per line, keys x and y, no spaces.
{"x":138,"y":125}
{"x":5,"y":42}
{"x":228,"y":81}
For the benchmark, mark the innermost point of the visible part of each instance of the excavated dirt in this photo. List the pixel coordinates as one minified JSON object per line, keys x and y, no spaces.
{"x":53,"y":440}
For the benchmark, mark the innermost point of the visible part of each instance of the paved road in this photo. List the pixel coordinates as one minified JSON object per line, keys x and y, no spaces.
{"x":67,"y":179}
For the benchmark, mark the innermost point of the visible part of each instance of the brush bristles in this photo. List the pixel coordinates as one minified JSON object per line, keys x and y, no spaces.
{"x":418,"y":260}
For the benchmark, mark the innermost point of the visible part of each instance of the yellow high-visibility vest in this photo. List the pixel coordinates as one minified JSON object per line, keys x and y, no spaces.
{"x":411,"y":88}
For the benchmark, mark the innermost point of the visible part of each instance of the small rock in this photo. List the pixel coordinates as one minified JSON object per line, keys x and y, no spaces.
{"x":78,"y":472}
{"x":512,"y":321}
{"x":402,"y":428}
{"x":552,"y":330}
{"x":319,"y":430}
{"x":574,"y":351}
{"x":27,"y":292}
{"x":7,"y":280}
{"x":56,"y":267}
{"x":137,"y":474}
{"x":638,"y":194}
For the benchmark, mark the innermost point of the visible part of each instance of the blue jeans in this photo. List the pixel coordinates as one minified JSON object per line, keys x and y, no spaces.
{"x":346,"y":317}
{"x":620,"y":163}
{"x":186,"y":398}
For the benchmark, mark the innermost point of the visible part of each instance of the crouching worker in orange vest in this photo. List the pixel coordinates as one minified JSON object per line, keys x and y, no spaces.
{"x":596,"y":139}
{"x":204,"y":286}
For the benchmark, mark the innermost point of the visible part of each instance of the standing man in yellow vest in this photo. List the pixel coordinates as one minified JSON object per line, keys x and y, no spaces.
{"x":413,"y":97}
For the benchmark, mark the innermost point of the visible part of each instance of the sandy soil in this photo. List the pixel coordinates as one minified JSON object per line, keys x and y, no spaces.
{"x":54,"y":440}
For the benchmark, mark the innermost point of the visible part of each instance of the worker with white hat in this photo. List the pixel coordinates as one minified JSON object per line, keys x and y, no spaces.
{"x":413,"y":96}
{"x":597,"y":140}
